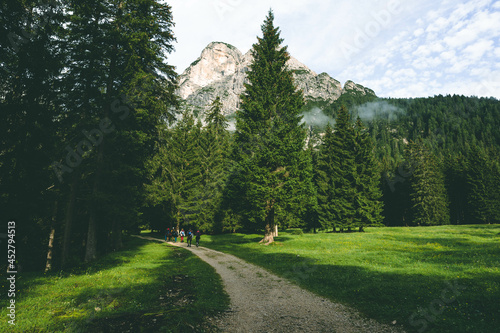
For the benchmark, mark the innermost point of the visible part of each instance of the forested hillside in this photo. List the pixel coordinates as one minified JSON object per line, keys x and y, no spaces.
{"x":457,"y":135}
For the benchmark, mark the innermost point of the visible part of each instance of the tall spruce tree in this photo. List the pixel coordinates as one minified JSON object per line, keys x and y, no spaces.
{"x":115,"y":49}
{"x":323,"y":179}
{"x":215,"y":164}
{"x":456,"y":185}
{"x":186,"y":169}
{"x":428,"y":194}
{"x":343,"y":171}
{"x":269,"y":181}
{"x":31,"y":62}
{"x":483,"y":174}
{"x":368,"y":204}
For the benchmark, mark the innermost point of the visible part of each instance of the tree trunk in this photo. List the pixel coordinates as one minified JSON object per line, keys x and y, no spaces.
{"x":268,"y":237}
{"x":48,"y":264}
{"x":68,"y":225}
{"x":91,"y":245}
{"x":270,"y":228}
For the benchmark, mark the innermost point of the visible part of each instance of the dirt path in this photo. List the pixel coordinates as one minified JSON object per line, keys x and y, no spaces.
{"x":263,"y":302}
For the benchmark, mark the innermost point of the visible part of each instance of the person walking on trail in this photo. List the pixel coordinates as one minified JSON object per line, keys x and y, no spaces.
{"x":175,"y":234}
{"x":182,"y":234}
{"x":198,"y":236}
{"x":190,"y":237}
{"x":169,"y":235}
{"x":166,"y":234}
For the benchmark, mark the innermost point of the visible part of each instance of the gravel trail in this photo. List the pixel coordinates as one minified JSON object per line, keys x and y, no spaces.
{"x":263,"y":302}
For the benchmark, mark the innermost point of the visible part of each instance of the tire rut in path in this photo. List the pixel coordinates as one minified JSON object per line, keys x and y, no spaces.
{"x":263,"y":302}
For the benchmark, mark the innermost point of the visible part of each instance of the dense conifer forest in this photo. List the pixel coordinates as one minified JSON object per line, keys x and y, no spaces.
{"x":95,"y":142}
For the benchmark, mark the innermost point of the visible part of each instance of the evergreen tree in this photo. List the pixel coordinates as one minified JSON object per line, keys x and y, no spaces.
{"x":324,"y":182}
{"x":311,"y":220}
{"x":344,"y":171}
{"x":456,"y":184}
{"x":215,"y":164}
{"x":186,"y":169}
{"x":270,"y":180}
{"x":428,"y":193}
{"x":483,"y":184}
{"x":30,"y":67}
{"x":115,"y":49}
{"x":368,"y":202}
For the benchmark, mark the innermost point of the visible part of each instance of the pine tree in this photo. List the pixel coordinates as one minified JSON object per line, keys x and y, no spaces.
{"x":344,"y":171}
{"x":456,"y":184}
{"x":269,"y":140}
{"x":311,"y":220}
{"x":186,"y":169}
{"x":369,"y":206}
{"x":215,"y":163}
{"x":30,"y":66}
{"x":324,"y":182}
{"x":117,"y":49}
{"x":483,"y":184}
{"x":428,"y":193}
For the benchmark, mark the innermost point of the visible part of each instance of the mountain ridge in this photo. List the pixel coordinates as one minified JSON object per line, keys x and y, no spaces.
{"x":221,"y":68}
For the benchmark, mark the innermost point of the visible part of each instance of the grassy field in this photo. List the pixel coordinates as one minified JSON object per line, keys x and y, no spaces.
{"x":147,"y":287}
{"x":434,"y":279}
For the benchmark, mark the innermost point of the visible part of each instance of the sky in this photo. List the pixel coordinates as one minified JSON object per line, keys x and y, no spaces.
{"x":398,"y":48}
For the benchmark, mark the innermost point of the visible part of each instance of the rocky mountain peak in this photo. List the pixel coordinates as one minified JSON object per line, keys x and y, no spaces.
{"x":355,"y":88}
{"x":221,"y":71}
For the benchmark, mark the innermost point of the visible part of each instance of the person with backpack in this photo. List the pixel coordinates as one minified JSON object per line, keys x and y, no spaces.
{"x":182,"y":234}
{"x":190,"y":237}
{"x":166,"y":234}
{"x":198,"y":236}
{"x":175,"y":234}
{"x":169,"y":234}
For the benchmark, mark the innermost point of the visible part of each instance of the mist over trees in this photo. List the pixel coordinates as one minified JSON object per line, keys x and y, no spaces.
{"x":96,"y":144}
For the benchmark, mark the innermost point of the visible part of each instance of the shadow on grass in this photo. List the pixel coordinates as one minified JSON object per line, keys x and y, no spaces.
{"x":433,"y":302}
{"x":28,"y":281}
{"x":173,"y":292}
{"x":177,"y":299}
{"x":455,"y":251}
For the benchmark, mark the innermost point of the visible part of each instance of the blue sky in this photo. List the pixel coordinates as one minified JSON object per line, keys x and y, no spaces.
{"x":399,"y":48}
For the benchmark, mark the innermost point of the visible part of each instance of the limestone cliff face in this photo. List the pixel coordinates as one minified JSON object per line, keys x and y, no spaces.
{"x":351,"y":87}
{"x":221,"y":71}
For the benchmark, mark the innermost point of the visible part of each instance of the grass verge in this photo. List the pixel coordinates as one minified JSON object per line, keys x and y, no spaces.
{"x":147,"y":287}
{"x":433,"y":279}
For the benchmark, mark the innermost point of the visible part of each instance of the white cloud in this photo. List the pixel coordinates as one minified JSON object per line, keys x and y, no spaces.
{"x":476,"y":51}
{"x":426,"y":48}
{"x":418,"y":32}
{"x":448,"y":55}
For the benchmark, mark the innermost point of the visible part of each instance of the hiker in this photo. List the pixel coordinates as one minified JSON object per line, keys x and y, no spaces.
{"x":166,"y":234}
{"x":169,"y":234}
{"x":182,"y":234}
{"x":198,"y":236}
{"x":190,"y":237}
{"x":175,"y":234}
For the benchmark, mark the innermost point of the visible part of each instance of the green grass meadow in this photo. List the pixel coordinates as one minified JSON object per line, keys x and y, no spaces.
{"x":433,"y":279}
{"x":427,"y":279}
{"x":147,"y":287}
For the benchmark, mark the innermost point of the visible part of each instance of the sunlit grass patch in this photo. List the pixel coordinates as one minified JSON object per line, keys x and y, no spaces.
{"x":148,"y":286}
{"x":392,"y":274}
